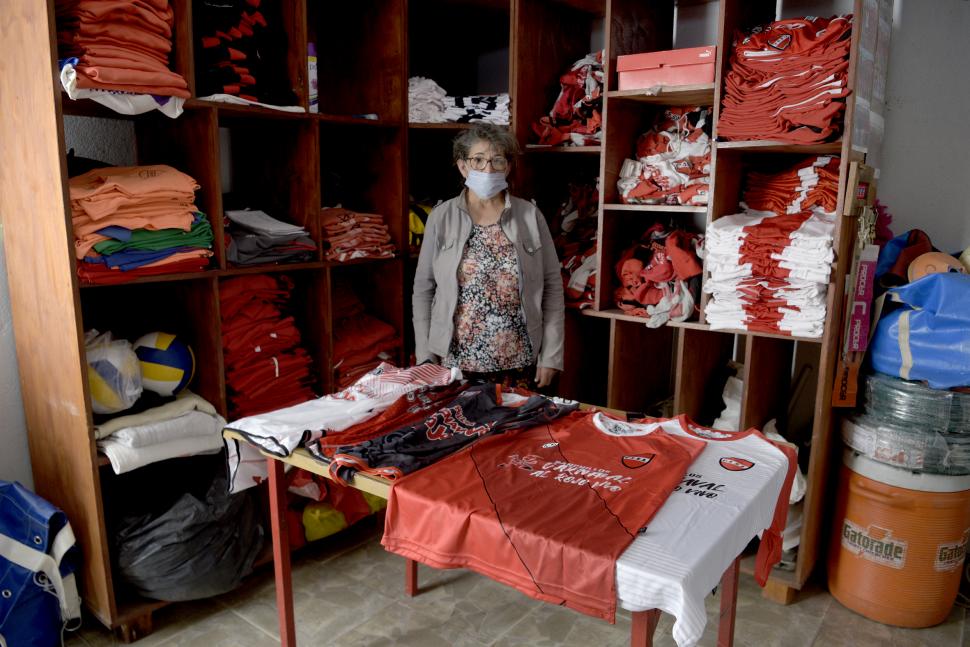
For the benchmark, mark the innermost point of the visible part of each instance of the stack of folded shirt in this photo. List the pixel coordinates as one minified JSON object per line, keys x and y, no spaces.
{"x":119,"y":46}
{"x":360,"y":341}
{"x":673,"y":164}
{"x":241,"y":52}
{"x":186,"y":426}
{"x":576,"y":244}
{"x":429,"y":103}
{"x":770,"y":265}
{"x":348,"y":235}
{"x":576,"y":117}
{"x":266,"y":367}
{"x":426,"y":101}
{"x":137,"y":221}
{"x":490,"y":108}
{"x":256,"y":237}
{"x":788,"y":82}
{"x":660,"y":276}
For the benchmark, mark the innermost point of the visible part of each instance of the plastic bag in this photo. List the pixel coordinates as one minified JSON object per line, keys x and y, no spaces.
{"x":195,"y":549}
{"x":929,"y":338}
{"x":114,"y":372}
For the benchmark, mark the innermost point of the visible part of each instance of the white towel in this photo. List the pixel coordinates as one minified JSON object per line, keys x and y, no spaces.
{"x":125,"y":459}
{"x":193,"y":423}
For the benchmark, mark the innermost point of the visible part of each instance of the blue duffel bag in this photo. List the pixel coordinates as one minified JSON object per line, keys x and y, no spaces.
{"x":38,"y":556}
{"x":928,"y":337}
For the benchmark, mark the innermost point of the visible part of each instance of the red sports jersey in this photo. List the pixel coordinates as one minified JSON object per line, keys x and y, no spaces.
{"x":547,"y":510}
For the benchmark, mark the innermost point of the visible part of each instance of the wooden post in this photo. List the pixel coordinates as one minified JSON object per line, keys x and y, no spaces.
{"x":281,"y":552}
{"x":642,"y":628}
{"x":729,"y":600}
{"x":411,"y":578}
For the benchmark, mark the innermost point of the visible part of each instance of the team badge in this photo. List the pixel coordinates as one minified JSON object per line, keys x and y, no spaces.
{"x":736,"y":464}
{"x":782,"y":42}
{"x":635,"y":461}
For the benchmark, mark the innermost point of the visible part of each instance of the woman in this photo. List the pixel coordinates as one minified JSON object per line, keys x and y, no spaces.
{"x":488,"y":295}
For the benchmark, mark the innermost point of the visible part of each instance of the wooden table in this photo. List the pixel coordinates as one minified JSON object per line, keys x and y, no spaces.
{"x":644,"y":622}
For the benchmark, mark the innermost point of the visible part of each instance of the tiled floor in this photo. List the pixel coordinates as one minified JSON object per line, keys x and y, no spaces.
{"x":349,"y":592}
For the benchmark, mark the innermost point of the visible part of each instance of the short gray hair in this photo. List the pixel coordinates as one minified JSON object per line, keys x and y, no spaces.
{"x":500,"y":139}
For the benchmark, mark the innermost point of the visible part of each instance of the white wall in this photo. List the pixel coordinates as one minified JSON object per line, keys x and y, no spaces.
{"x":926,"y":170}
{"x":924,"y":178}
{"x":15,"y":458}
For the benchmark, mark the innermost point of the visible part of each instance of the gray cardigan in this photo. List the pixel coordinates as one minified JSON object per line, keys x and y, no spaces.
{"x":435,"y":294}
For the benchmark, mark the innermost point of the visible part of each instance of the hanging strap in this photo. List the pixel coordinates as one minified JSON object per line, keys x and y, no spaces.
{"x":36,"y":561}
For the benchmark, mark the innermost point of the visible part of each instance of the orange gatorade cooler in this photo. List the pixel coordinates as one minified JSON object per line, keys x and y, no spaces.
{"x":899,"y":542}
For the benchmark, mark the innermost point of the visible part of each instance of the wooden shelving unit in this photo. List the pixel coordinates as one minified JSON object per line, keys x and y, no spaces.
{"x":687,"y":361}
{"x":289,"y":164}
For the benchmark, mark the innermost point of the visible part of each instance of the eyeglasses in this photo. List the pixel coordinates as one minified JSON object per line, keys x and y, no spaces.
{"x":478,"y":162}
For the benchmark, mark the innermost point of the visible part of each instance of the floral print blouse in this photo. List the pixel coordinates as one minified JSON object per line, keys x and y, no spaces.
{"x":490,"y":332}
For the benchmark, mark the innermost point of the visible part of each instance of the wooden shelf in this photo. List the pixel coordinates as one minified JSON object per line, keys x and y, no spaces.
{"x":275,"y":267}
{"x":701,"y":94}
{"x":562,"y":150}
{"x":447,"y":126}
{"x":780,"y":147}
{"x":662,"y":208}
{"x":160,"y":278}
{"x":361,"y":261}
{"x":235,"y":110}
{"x":619,"y":315}
{"x":356,"y":121}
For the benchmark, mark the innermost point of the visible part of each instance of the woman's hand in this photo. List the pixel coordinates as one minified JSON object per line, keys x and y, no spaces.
{"x":544,"y":376}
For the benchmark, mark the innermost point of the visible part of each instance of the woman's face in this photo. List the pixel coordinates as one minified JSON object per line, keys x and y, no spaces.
{"x":483,"y":150}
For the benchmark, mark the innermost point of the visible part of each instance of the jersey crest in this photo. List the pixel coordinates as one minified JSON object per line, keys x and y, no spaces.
{"x":636,"y":461}
{"x":734,"y":464}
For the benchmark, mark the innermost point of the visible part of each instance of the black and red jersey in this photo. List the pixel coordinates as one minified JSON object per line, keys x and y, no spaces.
{"x":480,"y":410}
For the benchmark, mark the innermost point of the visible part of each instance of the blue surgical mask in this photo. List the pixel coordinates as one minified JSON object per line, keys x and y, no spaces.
{"x":485,"y":185}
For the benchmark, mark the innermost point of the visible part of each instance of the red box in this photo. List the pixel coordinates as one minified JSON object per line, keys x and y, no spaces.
{"x":672,"y":67}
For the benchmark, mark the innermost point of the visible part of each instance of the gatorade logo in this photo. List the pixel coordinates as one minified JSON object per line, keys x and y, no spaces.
{"x":736,"y":464}
{"x":637,"y":461}
{"x":875,"y":544}
{"x":950,"y":555}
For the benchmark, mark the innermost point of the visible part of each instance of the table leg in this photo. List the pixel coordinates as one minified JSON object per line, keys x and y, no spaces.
{"x":643,"y":626}
{"x":729,"y":599}
{"x":411,"y":577}
{"x":281,"y":552}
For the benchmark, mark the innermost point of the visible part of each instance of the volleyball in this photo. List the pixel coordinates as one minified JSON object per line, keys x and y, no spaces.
{"x":114,"y":374}
{"x":167,"y":363}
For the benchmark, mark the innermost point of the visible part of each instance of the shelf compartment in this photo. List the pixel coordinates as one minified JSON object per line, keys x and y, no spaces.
{"x":585,"y":359}
{"x":361,"y":59}
{"x":186,"y":309}
{"x":189,"y":144}
{"x":631,"y":385}
{"x":701,"y":94}
{"x":543,"y":55}
{"x":160,"y":278}
{"x":477,"y":63}
{"x":272,"y":166}
{"x":363,"y":170}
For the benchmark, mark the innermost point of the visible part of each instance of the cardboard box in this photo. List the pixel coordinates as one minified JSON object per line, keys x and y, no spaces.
{"x":689,"y":66}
